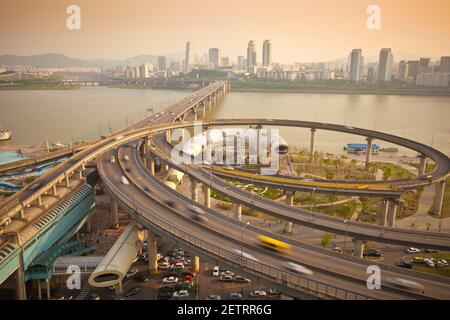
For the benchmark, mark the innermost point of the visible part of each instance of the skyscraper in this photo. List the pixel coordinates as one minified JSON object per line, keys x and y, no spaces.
{"x":161,"y":63}
{"x":424,"y":65}
{"x":214,"y":57}
{"x":444,"y":67}
{"x":188,"y":59}
{"x":413,"y":69}
{"x":242,"y":62}
{"x":356,"y":65}
{"x":267,"y":53}
{"x":403,"y":70}
{"x":251,"y":55}
{"x":385,"y":65}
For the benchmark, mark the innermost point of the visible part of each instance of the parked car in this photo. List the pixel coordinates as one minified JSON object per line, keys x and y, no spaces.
{"x":170,"y":280}
{"x":235,"y":296}
{"x":405,"y":264}
{"x":226,"y":278}
{"x":419,"y":259}
{"x":241,"y":279}
{"x":187,"y":278}
{"x":179,"y":266}
{"x":181,"y":294}
{"x":131,"y":273}
{"x":273,"y":292}
{"x":213,"y":297}
{"x":373,"y":253}
{"x":184,"y":285}
{"x":429,"y":263}
{"x":258,"y":293}
{"x":132,"y":292}
{"x":215,"y":271}
{"x":412,"y":250}
{"x":338,"y":250}
{"x":188,"y":273}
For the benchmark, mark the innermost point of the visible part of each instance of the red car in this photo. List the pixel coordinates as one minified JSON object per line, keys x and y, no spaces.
{"x":187,"y":278}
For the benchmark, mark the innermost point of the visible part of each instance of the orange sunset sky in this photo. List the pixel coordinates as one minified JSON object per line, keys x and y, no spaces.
{"x":300,"y":30}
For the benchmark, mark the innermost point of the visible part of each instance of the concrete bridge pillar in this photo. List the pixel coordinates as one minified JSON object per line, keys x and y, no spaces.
{"x":152,"y":165}
{"x":384,"y":212}
{"x":288,"y":225}
{"x":195,"y":115}
{"x":39,"y":289}
{"x":67,"y":180}
{"x":369,"y":151}
{"x":114,"y":213}
{"x":422,"y":164}
{"x":311,"y":145}
{"x":207,"y":196}
{"x":392,"y":213}
{"x":119,"y":288}
{"x":237,"y":211}
{"x":358,"y":248}
{"x":55,"y":193}
{"x":195,"y":264}
{"x":21,"y":290}
{"x":209,"y":104}
{"x":169,"y":136}
{"x":152,"y":252}
{"x":47,"y":284}
{"x":88,"y":226}
{"x":194,"y":189}
{"x":439,"y":197}
{"x":39,"y":201}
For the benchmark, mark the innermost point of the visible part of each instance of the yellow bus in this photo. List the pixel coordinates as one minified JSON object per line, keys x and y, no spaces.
{"x":274,"y":244}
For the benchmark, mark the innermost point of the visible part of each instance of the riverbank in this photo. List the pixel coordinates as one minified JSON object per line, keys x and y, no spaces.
{"x":38,"y":86}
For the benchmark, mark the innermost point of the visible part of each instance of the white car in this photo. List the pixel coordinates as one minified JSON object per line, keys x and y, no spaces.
{"x":131,"y":273}
{"x":404,"y":284}
{"x":213,"y":297}
{"x":412,"y":250}
{"x":258,"y":293}
{"x":245,"y":254}
{"x":181,"y":294}
{"x":125,"y":181}
{"x":159,"y":256}
{"x":113,"y":159}
{"x":125,"y":157}
{"x":215,"y":272}
{"x":429,"y":263}
{"x":170,"y":280}
{"x":291,"y":266}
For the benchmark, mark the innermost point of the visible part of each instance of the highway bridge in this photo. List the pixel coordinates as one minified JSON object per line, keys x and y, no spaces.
{"x":218,"y":240}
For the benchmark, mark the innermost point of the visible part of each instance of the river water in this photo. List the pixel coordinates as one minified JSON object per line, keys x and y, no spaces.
{"x":77,"y":115}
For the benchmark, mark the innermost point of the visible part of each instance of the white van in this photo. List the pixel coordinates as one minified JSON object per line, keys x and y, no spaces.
{"x":216,"y":271}
{"x":124,"y":181}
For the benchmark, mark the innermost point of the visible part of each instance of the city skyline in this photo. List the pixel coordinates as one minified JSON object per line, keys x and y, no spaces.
{"x":294,"y":39}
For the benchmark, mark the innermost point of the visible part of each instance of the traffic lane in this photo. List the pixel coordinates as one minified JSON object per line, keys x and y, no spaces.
{"x":228,"y":229}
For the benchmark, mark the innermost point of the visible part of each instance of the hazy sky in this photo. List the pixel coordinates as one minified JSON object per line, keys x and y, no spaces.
{"x":300,"y":30}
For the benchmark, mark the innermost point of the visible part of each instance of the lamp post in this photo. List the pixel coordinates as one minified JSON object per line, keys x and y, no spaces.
{"x":242,"y":240}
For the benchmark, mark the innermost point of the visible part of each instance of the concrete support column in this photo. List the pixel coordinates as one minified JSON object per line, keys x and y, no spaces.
{"x":422,"y":164}
{"x":39,"y":201}
{"x":311,"y":145}
{"x":384,"y":212}
{"x":288,"y":225}
{"x":67,"y":180}
{"x":369,"y":152}
{"x":195,"y":115}
{"x":39,"y":289}
{"x":237,"y":211}
{"x":439,"y":197}
{"x":114,"y":213}
{"x":152,"y":166}
{"x":119,"y":288}
{"x":88,"y":226}
{"x":169,"y":136}
{"x":209,"y":104}
{"x":194,"y":189}
{"x":358,"y":248}
{"x":20,"y":282}
{"x":152,"y":253}
{"x":22,"y":213}
{"x":392,"y":213}
{"x":47,"y":283}
{"x":207,"y":196}
{"x":55,"y":193}
{"x":204,"y":109}
{"x":195,"y":264}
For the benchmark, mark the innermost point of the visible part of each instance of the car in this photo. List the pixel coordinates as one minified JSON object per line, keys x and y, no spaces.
{"x":166,"y":289}
{"x":245,"y":254}
{"x":187,"y":262}
{"x":444,"y":262}
{"x":181,"y":294}
{"x":159,"y":256}
{"x":404,"y":284}
{"x":170,"y":280}
{"x":179,"y":266}
{"x":164,"y":265}
{"x":241,"y":279}
{"x":227,"y":273}
{"x":143,"y":277}
{"x":419,"y":259}
{"x":338,"y":250}
{"x":405,"y":264}
{"x":187,"y":278}
{"x":226,"y":278}
{"x":373,"y":253}
{"x":94,"y":296}
{"x":124,"y":181}
{"x":113,"y":159}
{"x":169,"y":203}
{"x":429,"y":263}
{"x":125,"y":157}
{"x":165,"y":295}
{"x":439,"y":264}
{"x":131,"y":273}
{"x":412,"y":250}
{"x":294,"y":267}
{"x":273,"y":292}
{"x":258,"y":293}
{"x":144,"y":256}
{"x":188,"y":273}
{"x":235,"y":295}
{"x":132,"y":292}
{"x":215,"y":271}
{"x":213,"y":297}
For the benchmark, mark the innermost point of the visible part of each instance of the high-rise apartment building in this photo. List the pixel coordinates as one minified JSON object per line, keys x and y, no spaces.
{"x":251,"y":55}
{"x":267,"y":53}
{"x":356,"y":65}
{"x":385,"y":65}
{"x":444,"y":67}
{"x":214,"y":57}
{"x":189,"y":58}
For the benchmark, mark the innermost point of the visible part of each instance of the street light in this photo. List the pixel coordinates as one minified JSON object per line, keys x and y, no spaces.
{"x":242,"y":240}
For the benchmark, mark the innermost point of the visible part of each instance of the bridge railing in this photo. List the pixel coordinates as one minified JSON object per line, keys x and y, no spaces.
{"x":282,"y":277}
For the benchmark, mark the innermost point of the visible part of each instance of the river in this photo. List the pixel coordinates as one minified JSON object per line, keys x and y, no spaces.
{"x":77,"y":115}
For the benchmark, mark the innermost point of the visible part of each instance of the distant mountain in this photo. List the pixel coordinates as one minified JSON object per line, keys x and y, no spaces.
{"x":53,"y":60}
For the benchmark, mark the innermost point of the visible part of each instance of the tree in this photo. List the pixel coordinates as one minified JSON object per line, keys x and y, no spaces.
{"x":326,"y":239}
